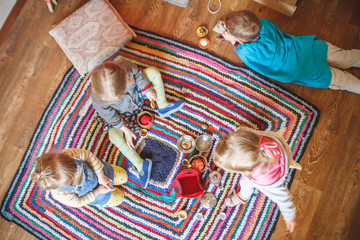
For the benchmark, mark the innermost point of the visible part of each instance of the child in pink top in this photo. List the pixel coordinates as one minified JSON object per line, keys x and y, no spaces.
{"x":263,"y":158}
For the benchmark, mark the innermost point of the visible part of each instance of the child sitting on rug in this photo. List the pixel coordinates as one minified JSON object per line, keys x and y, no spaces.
{"x":263,"y":158}
{"x":118,"y":93}
{"x":302,"y":60}
{"x":76,"y":177}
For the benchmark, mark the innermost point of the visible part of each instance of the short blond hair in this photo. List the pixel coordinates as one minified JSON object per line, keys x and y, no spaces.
{"x":109,"y":81}
{"x":243,"y":25}
{"x":240,"y":152}
{"x":54,"y":170}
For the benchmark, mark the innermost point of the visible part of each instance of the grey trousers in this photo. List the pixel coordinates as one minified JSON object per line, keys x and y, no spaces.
{"x":339,"y":58}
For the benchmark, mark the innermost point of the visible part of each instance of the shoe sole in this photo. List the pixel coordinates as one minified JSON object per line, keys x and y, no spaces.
{"x":149,"y":170}
{"x":172,"y":111}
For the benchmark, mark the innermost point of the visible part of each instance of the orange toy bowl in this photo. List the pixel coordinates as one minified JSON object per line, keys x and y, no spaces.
{"x":198,"y":162}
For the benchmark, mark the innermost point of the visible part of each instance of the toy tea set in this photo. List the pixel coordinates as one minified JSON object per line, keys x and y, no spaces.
{"x":145,"y":120}
{"x":188,"y":183}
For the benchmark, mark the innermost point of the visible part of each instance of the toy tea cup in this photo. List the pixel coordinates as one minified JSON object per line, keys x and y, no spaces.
{"x":186,"y":143}
{"x":145,"y":120}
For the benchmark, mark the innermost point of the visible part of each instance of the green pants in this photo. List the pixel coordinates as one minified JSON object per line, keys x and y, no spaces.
{"x":117,"y":136}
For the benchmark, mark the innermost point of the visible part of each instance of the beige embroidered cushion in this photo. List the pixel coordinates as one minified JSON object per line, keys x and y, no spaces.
{"x":91,"y":34}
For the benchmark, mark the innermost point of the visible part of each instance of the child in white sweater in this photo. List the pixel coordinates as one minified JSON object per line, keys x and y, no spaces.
{"x":263,"y":158}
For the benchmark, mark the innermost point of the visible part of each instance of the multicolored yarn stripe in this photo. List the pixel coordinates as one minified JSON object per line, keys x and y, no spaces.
{"x":216,"y":92}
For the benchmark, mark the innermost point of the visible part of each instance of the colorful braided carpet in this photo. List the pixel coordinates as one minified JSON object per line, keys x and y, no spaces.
{"x":215,"y":91}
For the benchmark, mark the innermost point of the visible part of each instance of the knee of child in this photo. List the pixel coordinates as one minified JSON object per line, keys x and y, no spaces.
{"x":120,"y":176}
{"x":116,"y":135}
{"x":152,"y":73}
{"x":116,"y":198}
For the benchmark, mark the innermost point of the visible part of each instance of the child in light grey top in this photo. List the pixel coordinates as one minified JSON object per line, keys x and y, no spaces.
{"x":119,"y":90}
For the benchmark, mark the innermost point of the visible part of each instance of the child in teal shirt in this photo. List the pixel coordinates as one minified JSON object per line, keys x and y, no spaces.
{"x":303,"y":60}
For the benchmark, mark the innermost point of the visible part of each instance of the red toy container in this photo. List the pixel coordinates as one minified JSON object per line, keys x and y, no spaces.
{"x":188,"y":184}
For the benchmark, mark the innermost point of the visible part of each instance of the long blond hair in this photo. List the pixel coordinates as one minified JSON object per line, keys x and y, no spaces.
{"x":240,"y":152}
{"x":243,"y":25}
{"x":54,"y":170}
{"x":109,"y":81}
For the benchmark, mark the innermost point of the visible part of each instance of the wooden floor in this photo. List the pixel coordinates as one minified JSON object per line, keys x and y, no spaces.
{"x":326,"y":191}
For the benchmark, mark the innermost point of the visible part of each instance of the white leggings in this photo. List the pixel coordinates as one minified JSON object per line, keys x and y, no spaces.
{"x":339,"y":58}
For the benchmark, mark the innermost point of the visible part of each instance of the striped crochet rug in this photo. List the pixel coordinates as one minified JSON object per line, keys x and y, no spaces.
{"x":216,"y":92}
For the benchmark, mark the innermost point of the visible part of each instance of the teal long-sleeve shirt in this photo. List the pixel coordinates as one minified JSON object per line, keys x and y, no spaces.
{"x":287,"y":58}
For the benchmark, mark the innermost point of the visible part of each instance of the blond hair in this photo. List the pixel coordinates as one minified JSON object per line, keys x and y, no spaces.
{"x":240,"y":152}
{"x":54,"y":170}
{"x":243,"y":25}
{"x":109,"y":81}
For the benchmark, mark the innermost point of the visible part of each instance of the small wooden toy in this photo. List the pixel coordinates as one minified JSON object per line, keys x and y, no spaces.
{"x":202,"y":31}
{"x":182,"y":214}
{"x":203,"y":143}
{"x":186,"y":143}
{"x":198,"y":162}
{"x":208,"y":200}
{"x":145,"y":120}
{"x":143,"y":133}
{"x":204,"y":43}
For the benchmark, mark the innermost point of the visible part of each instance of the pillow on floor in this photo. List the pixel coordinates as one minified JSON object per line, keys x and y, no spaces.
{"x":92,"y":34}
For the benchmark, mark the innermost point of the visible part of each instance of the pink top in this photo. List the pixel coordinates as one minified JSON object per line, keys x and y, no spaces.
{"x":273,"y":150}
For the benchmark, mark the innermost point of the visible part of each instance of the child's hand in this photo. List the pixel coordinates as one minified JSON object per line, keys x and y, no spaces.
{"x":227,"y":36}
{"x":290,"y":225}
{"x":104,"y":180}
{"x":129,"y":136}
{"x":101,"y":189}
{"x":151,"y":95}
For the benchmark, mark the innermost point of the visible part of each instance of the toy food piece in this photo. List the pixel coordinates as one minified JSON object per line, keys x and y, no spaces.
{"x":202,"y":31}
{"x":197,"y":164}
{"x":152,"y":104}
{"x":182,"y":214}
{"x":143,"y":133}
{"x":204,"y":43}
{"x":145,"y":120}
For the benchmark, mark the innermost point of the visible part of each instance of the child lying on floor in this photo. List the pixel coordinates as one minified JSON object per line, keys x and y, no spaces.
{"x":302,"y":60}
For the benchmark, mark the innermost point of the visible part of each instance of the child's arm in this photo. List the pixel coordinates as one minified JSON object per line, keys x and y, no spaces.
{"x":227,"y":36}
{"x":140,"y":79}
{"x":130,"y":136}
{"x":281,"y":196}
{"x":73,"y":200}
{"x":94,"y":162}
{"x":107,"y":112}
{"x":85,"y":155}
